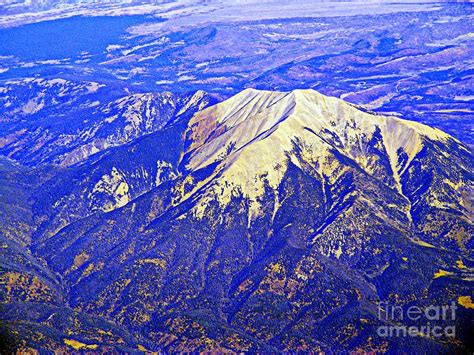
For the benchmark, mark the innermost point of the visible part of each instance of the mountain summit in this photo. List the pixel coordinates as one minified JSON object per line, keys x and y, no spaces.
{"x":256,"y":136}
{"x":260,"y":223}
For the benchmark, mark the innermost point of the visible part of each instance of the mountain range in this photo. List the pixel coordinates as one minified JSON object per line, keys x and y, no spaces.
{"x":262,"y":222}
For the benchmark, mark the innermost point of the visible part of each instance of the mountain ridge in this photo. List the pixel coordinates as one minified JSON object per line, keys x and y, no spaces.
{"x":242,"y":220}
{"x":230,"y":134}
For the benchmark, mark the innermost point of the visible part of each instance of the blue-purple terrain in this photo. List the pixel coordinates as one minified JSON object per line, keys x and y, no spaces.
{"x":235,"y":177}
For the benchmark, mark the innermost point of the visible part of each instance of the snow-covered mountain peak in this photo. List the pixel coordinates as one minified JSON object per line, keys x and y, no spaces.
{"x":254,"y":136}
{"x":254,"y":115}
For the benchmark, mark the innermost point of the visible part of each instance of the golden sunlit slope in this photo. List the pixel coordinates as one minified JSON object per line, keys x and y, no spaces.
{"x":257,"y":133}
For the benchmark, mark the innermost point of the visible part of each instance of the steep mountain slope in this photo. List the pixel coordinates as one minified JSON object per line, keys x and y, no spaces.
{"x":279,"y":218}
{"x":111,"y":179}
{"x":37,"y":200}
{"x":256,"y":136}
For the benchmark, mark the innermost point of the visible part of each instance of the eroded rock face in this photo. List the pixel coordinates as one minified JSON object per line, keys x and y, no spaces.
{"x":258,"y":224}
